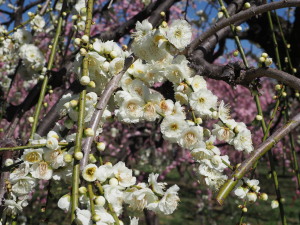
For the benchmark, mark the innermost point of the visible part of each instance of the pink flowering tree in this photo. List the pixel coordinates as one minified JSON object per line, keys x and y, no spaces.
{"x":112,"y":111}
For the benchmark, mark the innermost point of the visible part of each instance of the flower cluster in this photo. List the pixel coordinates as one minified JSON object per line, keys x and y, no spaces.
{"x":119,"y":187}
{"x":42,"y":163}
{"x":249,"y":190}
{"x":138,"y":101}
{"x":104,"y":61}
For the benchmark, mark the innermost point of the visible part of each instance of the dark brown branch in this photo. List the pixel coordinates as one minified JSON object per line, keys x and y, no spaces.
{"x":241,"y":16}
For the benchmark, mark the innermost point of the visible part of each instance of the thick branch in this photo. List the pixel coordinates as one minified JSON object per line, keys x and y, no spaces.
{"x":241,"y":16}
{"x":101,"y":105}
{"x":255,"y":156}
{"x":235,"y":73}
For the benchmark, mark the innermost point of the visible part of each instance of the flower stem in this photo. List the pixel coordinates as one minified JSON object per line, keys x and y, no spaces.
{"x":80,"y":122}
{"x":46,"y":77}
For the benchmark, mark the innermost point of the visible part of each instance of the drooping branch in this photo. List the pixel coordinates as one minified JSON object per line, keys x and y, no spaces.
{"x":256,"y":155}
{"x":101,"y":105}
{"x":235,"y":73}
{"x":241,"y":16}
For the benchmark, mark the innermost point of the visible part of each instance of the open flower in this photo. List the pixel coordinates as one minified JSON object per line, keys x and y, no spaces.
{"x":179,"y":33}
{"x":89,"y":172}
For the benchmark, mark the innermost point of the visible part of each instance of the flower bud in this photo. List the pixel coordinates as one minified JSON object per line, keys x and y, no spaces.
{"x":92,"y":84}
{"x":85,"y":80}
{"x":220,"y":15}
{"x":236,"y":53}
{"x":8,"y":162}
{"x":113,"y":182}
{"x":92,"y":158}
{"x":162,"y":13}
{"x":277,"y":87}
{"x":96,"y":218}
{"x":262,"y":59}
{"x":68,"y":158}
{"x":247,"y":5}
{"x":274,"y":204}
{"x":78,"y":155}
{"x":108,"y":163}
{"x":238,"y":28}
{"x":101,"y":146}
{"x":100,"y":201}
{"x":268,"y":61}
{"x":83,"y":51}
{"x":89,"y":132}
{"x":263,"y":196}
{"x":265,"y":55}
{"x":251,"y":196}
{"x":73,"y":103}
{"x":215,"y":115}
{"x":85,"y":38}
{"x":30,"y":119}
{"x":284,"y":94}
{"x":258,"y":117}
{"x":82,"y":190}
{"x":77,"y":41}
{"x":198,"y":120}
{"x":244,"y":209}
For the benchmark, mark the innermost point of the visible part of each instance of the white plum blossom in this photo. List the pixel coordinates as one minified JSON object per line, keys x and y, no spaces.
{"x":41,"y":170}
{"x":105,"y":217}
{"x":179,"y":33}
{"x":32,"y":155}
{"x":139,"y":199}
{"x":203,"y":101}
{"x":172,"y":127}
{"x":191,"y":137}
{"x":89,"y":172}
{"x":84,"y":216}
{"x":123,"y":174}
{"x":64,"y":202}
{"x":38,"y":23}
{"x":156,"y":186}
{"x":104,"y":172}
{"x":168,"y":203}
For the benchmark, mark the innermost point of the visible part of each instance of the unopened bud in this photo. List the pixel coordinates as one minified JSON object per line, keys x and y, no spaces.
{"x":92,"y":158}
{"x":68,"y":158}
{"x":82,"y":190}
{"x":238,"y":28}
{"x":101,"y":146}
{"x":30,"y":119}
{"x":162,"y":13}
{"x":268,"y":61}
{"x":83,"y":51}
{"x":263,"y":196}
{"x":100,"y":201}
{"x":259,"y":117}
{"x":277,"y":87}
{"x":92,"y":84}
{"x":89,"y":132}
{"x":85,"y":38}
{"x":262,"y":59}
{"x":8,"y":162}
{"x":264,"y":54}
{"x":284,"y":94}
{"x":247,"y":5}
{"x":113,"y":182}
{"x":85,"y":80}
{"x":77,"y":41}
{"x":78,"y":155}
{"x":96,"y":218}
